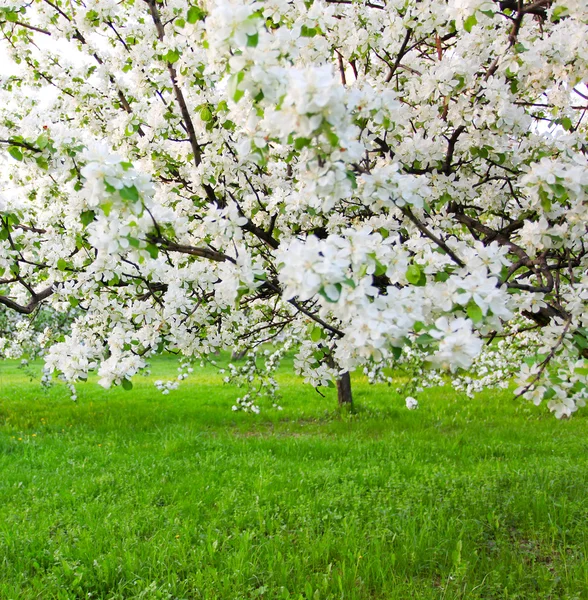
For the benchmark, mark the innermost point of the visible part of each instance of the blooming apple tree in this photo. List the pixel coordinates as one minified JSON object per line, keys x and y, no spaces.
{"x":373,"y":184}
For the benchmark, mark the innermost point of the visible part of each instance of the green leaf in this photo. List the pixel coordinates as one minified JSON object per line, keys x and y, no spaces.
{"x":42,"y":162}
{"x":316,"y":334}
{"x":109,"y":188}
{"x":424,"y":339}
{"x":380,"y":269}
{"x":558,"y":12}
{"x":233,"y":86}
{"x":129,"y":193}
{"x":567,"y":124}
{"x":153,"y":250}
{"x":474,"y":312}
{"x":470,"y":22}
{"x":127,"y":384}
{"x":545,"y":200}
{"x":172,"y":56}
{"x":482,"y":152}
{"x":252,"y":40}
{"x":559,"y":190}
{"x":87,"y":217}
{"x":413,"y":274}
{"x":206,"y":114}
{"x":106,"y":207}
{"x":352,"y":177}
{"x":62,"y":264}
{"x":318,"y":355}
{"x":15,"y":152}
{"x":396,"y":352}
{"x":302,"y":142}
{"x":42,"y":141}
{"x":308,"y":31}
{"x":324,"y":294}
{"x":195,"y":13}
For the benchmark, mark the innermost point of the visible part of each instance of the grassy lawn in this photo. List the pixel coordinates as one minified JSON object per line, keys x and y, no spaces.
{"x":139,"y":495}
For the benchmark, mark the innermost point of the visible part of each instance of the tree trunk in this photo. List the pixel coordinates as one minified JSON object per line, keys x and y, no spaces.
{"x":344,"y":391}
{"x":238,"y":355}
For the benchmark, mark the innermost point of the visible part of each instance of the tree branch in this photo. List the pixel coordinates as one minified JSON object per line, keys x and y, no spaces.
{"x":196,"y":149}
{"x":27,"y":309}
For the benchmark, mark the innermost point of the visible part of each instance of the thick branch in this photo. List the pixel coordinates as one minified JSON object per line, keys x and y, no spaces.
{"x":194,"y":251}
{"x":27,"y":309}
{"x":451,"y":148}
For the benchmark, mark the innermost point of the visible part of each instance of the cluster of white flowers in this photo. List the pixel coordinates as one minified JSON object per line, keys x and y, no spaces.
{"x":245,"y":404}
{"x":255,"y":375}
{"x":387,"y":186}
{"x":411,"y":403}
{"x":376,"y":189}
{"x":165,"y":387}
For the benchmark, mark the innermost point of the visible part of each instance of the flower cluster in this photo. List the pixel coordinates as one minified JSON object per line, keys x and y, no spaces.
{"x":372,"y":189}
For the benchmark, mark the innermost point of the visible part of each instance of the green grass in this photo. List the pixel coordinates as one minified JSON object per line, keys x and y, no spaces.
{"x":132,"y":495}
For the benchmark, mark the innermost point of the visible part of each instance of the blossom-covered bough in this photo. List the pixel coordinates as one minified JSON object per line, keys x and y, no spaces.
{"x":371,"y":184}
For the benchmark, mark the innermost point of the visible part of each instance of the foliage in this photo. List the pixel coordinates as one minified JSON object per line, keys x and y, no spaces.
{"x":384,"y":183}
{"x":29,"y":335}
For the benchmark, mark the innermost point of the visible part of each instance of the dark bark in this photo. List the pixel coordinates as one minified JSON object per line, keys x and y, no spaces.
{"x":238,"y":355}
{"x":344,"y":395}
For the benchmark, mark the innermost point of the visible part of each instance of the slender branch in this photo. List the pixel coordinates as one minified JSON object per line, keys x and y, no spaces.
{"x":400,"y":56}
{"x":196,"y":149}
{"x":369,"y":4}
{"x":424,"y":229}
{"x":547,"y":360}
{"x":318,"y":320}
{"x":341,"y":68}
{"x":31,"y":27}
{"x":20,"y":145}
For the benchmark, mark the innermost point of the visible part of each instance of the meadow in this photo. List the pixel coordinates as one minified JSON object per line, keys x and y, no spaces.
{"x":134,"y":494}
